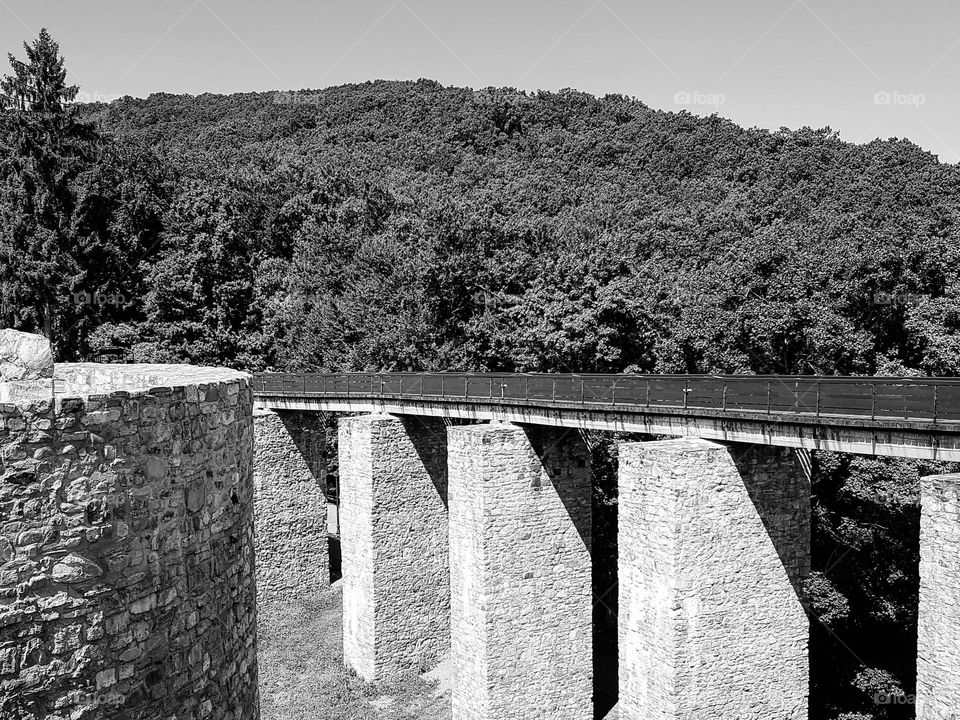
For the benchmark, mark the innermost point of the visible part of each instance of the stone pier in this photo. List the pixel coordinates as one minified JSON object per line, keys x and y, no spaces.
{"x":520,"y":524}
{"x":714,"y":540}
{"x":393,"y":517}
{"x":290,"y":507}
{"x":938,"y":623}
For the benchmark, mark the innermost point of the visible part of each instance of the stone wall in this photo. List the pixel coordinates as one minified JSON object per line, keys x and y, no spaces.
{"x":126,"y":540}
{"x":521,"y":599}
{"x":290,"y":507}
{"x":713,"y":539}
{"x":396,"y":580}
{"x":938,"y":622}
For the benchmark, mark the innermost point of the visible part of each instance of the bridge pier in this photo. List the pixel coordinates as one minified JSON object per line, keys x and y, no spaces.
{"x":713,"y":541}
{"x":290,"y":507}
{"x":938,"y":621}
{"x":521,"y":599}
{"x":393,"y":497}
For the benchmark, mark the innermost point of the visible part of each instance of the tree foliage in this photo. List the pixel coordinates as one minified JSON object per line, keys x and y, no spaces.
{"x":409,"y":226}
{"x":75,"y":208}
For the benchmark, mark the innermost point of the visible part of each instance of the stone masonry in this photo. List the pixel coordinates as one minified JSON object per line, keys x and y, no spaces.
{"x":521,"y":601}
{"x":713,"y":539}
{"x":290,"y":507}
{"x":393,"y":496}
{"x":938,"y":623}
{"x":126,"y":548}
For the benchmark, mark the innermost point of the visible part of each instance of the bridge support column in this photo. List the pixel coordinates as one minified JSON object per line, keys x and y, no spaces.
{"x":714,"y":540}
{"x":938,"y":622}
{"x":290,"y":507}
{"x":521,"y":600}
{"x":393,"y":534}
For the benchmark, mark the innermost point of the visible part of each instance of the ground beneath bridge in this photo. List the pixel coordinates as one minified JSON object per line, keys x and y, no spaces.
{"x":302,"y":676}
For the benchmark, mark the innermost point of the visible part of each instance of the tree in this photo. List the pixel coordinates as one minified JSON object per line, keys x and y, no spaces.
{"x":39,"y":84}
{"x":65,"y":238}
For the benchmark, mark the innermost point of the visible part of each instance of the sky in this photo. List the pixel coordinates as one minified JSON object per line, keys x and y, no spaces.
{"x":866,"y":68}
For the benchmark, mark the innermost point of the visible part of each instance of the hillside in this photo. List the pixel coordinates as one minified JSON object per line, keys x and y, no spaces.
{"x":406,"y":226}
{"x":562,"y":231}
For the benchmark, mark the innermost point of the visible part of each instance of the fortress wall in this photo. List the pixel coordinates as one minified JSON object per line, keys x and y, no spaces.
{"x":126,"y":548}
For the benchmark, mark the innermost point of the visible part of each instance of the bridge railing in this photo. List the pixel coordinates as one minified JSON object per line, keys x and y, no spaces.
{"x":919,"y":399}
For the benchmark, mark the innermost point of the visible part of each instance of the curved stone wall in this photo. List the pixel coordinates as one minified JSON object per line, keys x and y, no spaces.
{"x":126,"y":547}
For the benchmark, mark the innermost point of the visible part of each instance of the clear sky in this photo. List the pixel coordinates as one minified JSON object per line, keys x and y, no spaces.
{"x":867,"y":68}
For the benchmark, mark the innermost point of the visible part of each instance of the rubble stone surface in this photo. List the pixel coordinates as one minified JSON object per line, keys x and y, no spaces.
{"x":127,"y":585}
{"x":521,"y":598}
{"x":396,"y":579}
{"x":938,"y":621}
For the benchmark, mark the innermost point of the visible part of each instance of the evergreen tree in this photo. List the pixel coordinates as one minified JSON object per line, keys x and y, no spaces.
{"x":39,"y":84}
{"x":64,"y":237}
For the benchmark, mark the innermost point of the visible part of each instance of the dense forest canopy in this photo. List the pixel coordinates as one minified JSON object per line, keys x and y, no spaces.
{"x":406,"y":225}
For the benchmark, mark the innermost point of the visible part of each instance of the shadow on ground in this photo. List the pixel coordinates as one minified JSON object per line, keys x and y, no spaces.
{"x":302,"y":676}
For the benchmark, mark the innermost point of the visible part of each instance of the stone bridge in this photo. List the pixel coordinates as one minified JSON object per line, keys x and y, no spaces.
{"x":475,"y":539}
{"x":130,"y":493}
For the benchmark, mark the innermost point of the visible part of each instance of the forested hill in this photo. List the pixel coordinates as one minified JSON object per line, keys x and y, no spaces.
{"x":408,"y":225}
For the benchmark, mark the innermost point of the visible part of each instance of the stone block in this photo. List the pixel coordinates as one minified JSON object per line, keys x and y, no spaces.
{"x":713,"y":541}
{"x":393,"y":520}
{"x":290,"y":508}
{"x":520,"y":567}
{"x":938,"y":620}
{"x":24,"y":356}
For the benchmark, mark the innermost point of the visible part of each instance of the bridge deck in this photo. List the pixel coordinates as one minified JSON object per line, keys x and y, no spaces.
{"x":915,"y":417}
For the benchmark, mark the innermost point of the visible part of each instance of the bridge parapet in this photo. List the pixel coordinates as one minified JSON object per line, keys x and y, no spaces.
{"x":935,"y":400}
{"x":906,"y":417}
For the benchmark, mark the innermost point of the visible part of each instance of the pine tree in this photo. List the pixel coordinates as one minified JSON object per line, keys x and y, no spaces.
{"x":63,"y":232}
{"x":39,"y":84}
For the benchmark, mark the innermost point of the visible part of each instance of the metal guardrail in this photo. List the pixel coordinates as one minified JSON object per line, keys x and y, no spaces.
{"x":915,"y":399}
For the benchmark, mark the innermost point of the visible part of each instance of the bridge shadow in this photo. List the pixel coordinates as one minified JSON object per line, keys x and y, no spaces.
{"x":566,"y":459}
{"x":779,"y":487}
{"x":316,"y":442}
{"x":309,"y":434}
{"x":429,"y":438}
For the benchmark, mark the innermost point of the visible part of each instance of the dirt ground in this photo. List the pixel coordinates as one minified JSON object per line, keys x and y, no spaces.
{"x":302,"y":676}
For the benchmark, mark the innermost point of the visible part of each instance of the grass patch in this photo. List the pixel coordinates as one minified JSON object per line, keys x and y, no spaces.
{"x":302,"y":675}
